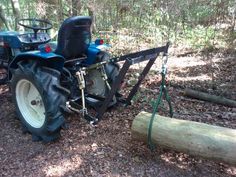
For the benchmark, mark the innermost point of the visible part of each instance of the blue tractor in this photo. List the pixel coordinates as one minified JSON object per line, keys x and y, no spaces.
{"x":49,"y":79}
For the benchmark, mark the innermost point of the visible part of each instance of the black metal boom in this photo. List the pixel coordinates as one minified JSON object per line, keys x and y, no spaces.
{"x":131,"y":59}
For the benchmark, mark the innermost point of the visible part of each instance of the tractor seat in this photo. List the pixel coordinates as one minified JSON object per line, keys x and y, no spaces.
{"x":74,"y":37}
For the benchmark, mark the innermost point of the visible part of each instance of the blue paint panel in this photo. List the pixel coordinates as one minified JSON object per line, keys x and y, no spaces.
{"x":10,"y":37}
{"x":92,"y":55}
{"x":51,"y":59}
{"x":21,"y":39}
{"x":43,"y":55}
{"x":93,"y":51}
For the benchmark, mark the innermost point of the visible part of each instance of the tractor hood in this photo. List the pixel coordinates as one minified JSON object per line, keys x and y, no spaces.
{"x":23,"y":39}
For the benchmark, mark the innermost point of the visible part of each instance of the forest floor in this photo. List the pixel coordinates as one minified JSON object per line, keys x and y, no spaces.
{"x":108,"y":149}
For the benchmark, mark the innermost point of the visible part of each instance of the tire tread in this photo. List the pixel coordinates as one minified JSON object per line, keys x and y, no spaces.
{"x":54,"y":94}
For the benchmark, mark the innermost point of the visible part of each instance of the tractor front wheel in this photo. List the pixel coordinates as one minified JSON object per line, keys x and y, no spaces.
{"x":39,"y":100}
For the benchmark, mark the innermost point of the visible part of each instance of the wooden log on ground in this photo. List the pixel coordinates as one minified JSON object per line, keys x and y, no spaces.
{"x":198,"y":139}
{"x":211,"y":98}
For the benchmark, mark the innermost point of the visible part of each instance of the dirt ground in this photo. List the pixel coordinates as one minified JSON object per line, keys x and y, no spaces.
{"x":108,"y":149}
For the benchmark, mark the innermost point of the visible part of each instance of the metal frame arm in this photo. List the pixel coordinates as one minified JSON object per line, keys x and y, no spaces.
{"x":131,"y":59}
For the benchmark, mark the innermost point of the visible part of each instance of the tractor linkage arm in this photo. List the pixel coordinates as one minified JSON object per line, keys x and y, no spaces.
{"x":149,"y":55}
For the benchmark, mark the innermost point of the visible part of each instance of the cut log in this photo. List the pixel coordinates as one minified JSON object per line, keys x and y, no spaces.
{"x":211,"y":98}
{"x":198,"y":139}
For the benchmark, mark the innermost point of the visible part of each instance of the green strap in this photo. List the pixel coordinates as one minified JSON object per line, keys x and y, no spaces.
{"x":155,"y":109}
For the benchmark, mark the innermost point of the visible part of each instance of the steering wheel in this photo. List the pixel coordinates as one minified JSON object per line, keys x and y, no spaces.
{"x":35,"y":24}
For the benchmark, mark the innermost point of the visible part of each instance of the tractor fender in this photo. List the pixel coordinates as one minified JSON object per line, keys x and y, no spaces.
{"x":93,"y":52}
{"x":51,"y":60}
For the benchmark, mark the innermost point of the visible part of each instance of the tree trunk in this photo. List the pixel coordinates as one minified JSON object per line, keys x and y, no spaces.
{"x":198,"y":139}
{"x":92,"y":15}
{"x":51,"y":5}
{"x":211,"y":98}
{"x":16,"y":11}
{"x":3,"y":19}
{"x":60,"y":11}
{"x":76,"y":7}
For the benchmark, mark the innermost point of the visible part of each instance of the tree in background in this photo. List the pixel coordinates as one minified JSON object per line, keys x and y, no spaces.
{"x":16,"y":11}
{"x":196,"y":21}
{"x":3,"y":20}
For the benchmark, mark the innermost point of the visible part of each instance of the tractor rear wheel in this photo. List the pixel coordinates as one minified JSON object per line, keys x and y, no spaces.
{"x":3,"y":75}
{"x":112,"y":69}
{"x":95,"y":84}
{"x":39,"y":100}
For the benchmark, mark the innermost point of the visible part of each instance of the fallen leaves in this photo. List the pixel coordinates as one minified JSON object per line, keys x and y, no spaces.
{"x":108,"y":150}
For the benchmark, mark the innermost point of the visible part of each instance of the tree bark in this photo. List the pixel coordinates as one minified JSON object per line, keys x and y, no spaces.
{"x":198,"y":139}
{"x":16,"y":11}
{"x":91,"y":11}
{"x":76,"y":7}
{"x":53,"y":4}
{"x":211,"y":98}
{"x":60,"y":11}
{"x":3,"y":19}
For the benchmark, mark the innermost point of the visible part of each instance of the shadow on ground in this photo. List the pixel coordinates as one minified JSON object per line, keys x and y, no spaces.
{"x":108,"y":149}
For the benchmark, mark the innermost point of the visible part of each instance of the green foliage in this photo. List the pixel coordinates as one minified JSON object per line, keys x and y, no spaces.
{"x":198,"y":37}
{"x":194,"y":23}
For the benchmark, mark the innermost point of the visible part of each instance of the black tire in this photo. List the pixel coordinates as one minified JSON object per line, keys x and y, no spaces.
{"x":112,"y":69}
{"x":99,"y":87}
{"x":54,"y":96}
{"x":3,"y":75}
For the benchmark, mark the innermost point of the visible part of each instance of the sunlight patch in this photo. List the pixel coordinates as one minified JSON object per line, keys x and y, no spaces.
{"x":64,"y":166}
{"x":193,"y":78}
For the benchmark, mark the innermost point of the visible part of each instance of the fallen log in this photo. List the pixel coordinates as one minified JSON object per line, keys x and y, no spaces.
{"x":198,"y":139}
{"x":211,"y":98}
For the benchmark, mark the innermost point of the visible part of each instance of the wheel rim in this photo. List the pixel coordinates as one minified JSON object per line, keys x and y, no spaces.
{"x":30,"y":103}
